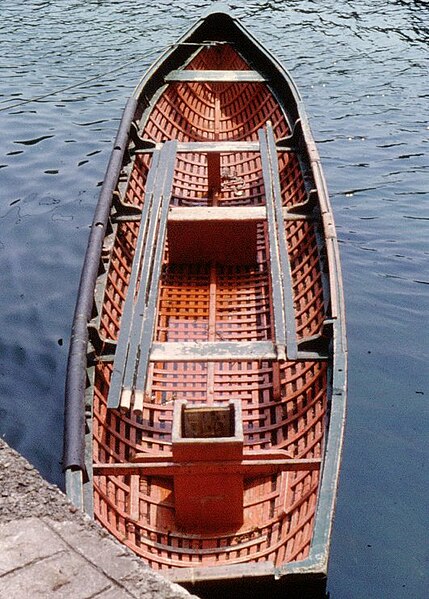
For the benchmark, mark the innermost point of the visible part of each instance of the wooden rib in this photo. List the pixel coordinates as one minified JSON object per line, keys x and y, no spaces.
{"x":263,"y":536}
{"x":192,"y":96}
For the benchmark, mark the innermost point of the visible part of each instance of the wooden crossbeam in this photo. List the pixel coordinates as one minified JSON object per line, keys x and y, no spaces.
{"x":213,"y":76}
{"x":218,"y":146}
{"x":170,"y":353}
{"x":216,"y":351}
{"x":218,"y":213}
{"x":245,"y":467}
{"x":208,"y":146}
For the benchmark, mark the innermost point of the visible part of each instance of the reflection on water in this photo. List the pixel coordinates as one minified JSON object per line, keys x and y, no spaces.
{"x":362,"y":69}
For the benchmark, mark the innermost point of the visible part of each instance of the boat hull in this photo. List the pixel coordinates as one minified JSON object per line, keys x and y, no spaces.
{"x":212,"y":286}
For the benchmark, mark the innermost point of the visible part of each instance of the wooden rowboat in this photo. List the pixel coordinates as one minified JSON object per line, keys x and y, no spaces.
{"x":206,"y":383}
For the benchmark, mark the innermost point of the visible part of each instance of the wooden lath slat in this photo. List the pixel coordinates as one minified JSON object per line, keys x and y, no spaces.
{"x":214,"y":76}
{"x":151,"y":291}
{"x":284,"y":317}
{"x":128,"y":312}
{"x":146,"y":266}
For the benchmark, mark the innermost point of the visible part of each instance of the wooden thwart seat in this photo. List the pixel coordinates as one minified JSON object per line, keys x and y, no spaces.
{"x":248,"y":467}
{"x":217,"y":351}
{"x":219,"y":213}
{"x":214,"y":76}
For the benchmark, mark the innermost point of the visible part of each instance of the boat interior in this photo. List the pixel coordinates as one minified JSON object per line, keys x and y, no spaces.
{"x":210,"y":360}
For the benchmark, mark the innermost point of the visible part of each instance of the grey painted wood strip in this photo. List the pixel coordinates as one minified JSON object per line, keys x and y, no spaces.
{"x":147,"y":330}
{"x":219,"y":213}
{"x":214,"y":146}
{"x":311,"y":356}
{"x":188,"y":75}
{"x":218,"y":146}
{"x":165,"y":165}
{"x":276,"y":274}
{"x":289,"y":310}
{"x":127,"y":315}
{"x":217,"y":351}
{"x":74,"y":485}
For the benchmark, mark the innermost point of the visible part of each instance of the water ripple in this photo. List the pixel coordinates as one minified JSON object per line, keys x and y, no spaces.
{"x":362,"y":71}
{"x":32,"y":142}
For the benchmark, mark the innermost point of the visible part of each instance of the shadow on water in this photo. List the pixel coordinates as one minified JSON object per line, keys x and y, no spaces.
{"x":263,"y":589}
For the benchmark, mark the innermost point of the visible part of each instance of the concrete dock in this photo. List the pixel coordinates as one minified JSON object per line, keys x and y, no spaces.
{"x":50,"y":549}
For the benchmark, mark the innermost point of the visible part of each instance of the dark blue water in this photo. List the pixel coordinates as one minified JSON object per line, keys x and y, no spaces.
{"x":362,"y":68}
